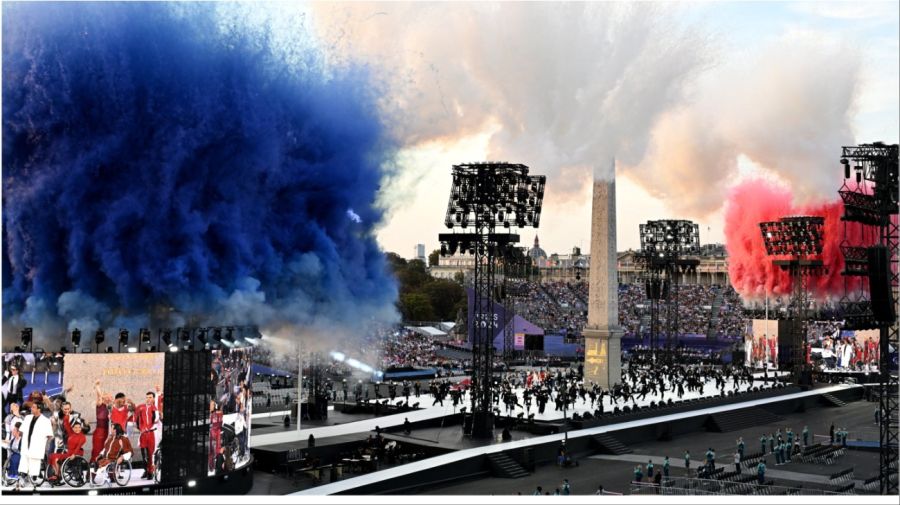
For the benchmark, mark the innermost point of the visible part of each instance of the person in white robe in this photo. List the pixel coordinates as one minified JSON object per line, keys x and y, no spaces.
{"x":37,"y":430}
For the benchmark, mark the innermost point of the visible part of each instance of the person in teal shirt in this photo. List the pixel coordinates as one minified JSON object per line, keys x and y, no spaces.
{"x":740,"y":447}
{"x":790,"y":437}
{"x":771,"y":443}
{"x":650,"y":469}
{"x":687,"y":462}
{"x":761,"y":471}
{"x":777,"y":452}
{"x":638,"y":476}
{"x":805,"y":436}
{"x":762,"y":444}
{"x":666,"y":467}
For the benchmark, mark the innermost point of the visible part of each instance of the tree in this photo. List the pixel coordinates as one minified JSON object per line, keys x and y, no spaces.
{"x":416,"y":307}
{"x":445,"y":296}
{"x":434,"y":257}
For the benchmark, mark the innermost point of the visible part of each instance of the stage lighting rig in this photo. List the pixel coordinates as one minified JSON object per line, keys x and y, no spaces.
{"x":483,"y":198}
{"x":202,"y":336}
{"x":144,"y":338}
{"x":870,"y":194}
{"x":99,"y":337}
{"x":664,"y":245}
{"x":26,"y":336}
{"x":797,"y":240}
{"x":123,"y":339}
{"x":167,"y":337}
{"x":76,"y":338}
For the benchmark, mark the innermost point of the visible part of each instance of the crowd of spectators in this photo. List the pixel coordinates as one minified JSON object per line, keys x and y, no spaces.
{"x":562,"y":307}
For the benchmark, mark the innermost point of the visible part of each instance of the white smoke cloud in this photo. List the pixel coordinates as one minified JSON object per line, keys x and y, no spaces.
{"x":570,"y":84}
{"x":787,"y":108}
{"x":565,"y":86}
{"x":82,"y":311}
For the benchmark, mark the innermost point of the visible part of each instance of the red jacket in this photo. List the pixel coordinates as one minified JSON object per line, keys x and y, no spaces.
{"x":119,"y":416}
{"x":75,"y":445}
{"x":145,"y":416}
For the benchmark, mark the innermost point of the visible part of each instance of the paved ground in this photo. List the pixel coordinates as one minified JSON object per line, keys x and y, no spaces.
{"x":616,"y":472}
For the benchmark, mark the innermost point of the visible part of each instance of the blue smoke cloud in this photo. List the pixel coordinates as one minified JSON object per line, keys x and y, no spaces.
{"x":163,"y":159}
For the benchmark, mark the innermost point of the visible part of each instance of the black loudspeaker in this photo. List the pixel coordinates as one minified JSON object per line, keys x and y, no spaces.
{"x":787,"y":339}
{"x":880,"y":285}
{"x":534,"y":342}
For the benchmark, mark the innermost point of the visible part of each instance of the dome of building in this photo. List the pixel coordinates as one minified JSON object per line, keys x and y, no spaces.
{"x":536,"y":253}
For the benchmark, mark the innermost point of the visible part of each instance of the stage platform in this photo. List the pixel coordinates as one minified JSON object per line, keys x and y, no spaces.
{"x":462,"y":463}
{"x":428,"y":411}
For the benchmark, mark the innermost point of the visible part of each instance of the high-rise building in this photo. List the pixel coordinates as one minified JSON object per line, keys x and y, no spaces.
{"x":420,"y":252}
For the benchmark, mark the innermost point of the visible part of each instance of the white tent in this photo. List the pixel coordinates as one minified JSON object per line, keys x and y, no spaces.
{"x":428,"y":331}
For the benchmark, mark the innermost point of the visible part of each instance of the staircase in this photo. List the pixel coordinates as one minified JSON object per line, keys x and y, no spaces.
{"x":505,"y":467}
{"x":741,"y":419}
{"x":832,"y":400}
{"x":608,"y":444}
{"x":714,"y":314}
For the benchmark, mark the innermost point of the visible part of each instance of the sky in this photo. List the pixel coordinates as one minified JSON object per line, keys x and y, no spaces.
{"x":690,"y":98}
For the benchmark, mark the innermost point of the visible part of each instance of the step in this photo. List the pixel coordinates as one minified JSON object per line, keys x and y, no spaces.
{"x":608,"y":444}
{"x":505,"y":467}
{"x":741,"y":419}
{"x":833,"y":400}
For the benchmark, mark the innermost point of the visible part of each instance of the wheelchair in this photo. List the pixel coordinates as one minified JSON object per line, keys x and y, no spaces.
{"x":117,"y":472}
{"x":36,"y":481}
{"x":7,"y":480}
{"x":157,"y":465}
{"x":74,"y":471}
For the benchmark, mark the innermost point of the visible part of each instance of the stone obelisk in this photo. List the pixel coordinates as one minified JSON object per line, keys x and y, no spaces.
{"x":602,"y":335}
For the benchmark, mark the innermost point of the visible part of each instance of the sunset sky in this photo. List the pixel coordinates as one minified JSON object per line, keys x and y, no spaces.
{"x":690,"y":98}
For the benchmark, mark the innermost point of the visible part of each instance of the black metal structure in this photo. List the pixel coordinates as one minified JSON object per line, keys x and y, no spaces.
{"x":663,"y":245}
{"x":483,"y":198}
{"x":185,"y":437}
{"x":871,"y":202}
{"x":516,"y":267}
{"x":798,"y":240}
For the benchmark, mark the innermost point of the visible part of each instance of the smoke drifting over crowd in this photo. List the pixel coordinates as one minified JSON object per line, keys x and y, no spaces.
{"x":751,"y":271}
{"x":165,"y":166}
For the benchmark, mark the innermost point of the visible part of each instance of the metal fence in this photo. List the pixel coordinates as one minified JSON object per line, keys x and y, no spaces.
{"x":690,"y":486}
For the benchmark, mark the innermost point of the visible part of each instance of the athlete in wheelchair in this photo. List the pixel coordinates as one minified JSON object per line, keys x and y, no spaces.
{"x":114,"y":461}
{"x":68,"y":464}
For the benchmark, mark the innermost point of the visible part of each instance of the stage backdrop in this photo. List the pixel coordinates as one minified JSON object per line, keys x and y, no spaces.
{"x":761,"y":343}
{"x":133,"y":374}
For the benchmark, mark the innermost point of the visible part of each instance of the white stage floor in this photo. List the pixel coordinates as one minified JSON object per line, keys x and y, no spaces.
{"x":444,"y":459}
{"x":427,"y":411}
{"x":135,"y":481}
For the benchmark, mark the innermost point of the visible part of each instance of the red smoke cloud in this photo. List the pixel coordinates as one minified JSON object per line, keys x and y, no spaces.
{"x":751,"y":270}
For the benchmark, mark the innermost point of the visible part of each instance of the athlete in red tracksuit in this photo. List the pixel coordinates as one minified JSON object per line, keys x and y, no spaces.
{"x":145,"y":416}
{"x":119,"y":413}
{"x":215,"y":434}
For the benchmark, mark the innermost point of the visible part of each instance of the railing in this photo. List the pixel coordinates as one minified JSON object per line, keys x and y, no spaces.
{"x":692,"y":486}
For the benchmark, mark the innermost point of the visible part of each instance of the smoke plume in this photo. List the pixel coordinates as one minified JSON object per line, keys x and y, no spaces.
{"x":168,"y":164}
{"x":566,"y":86}
{"x":570,"y":85}
{"x":751,"y":271}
